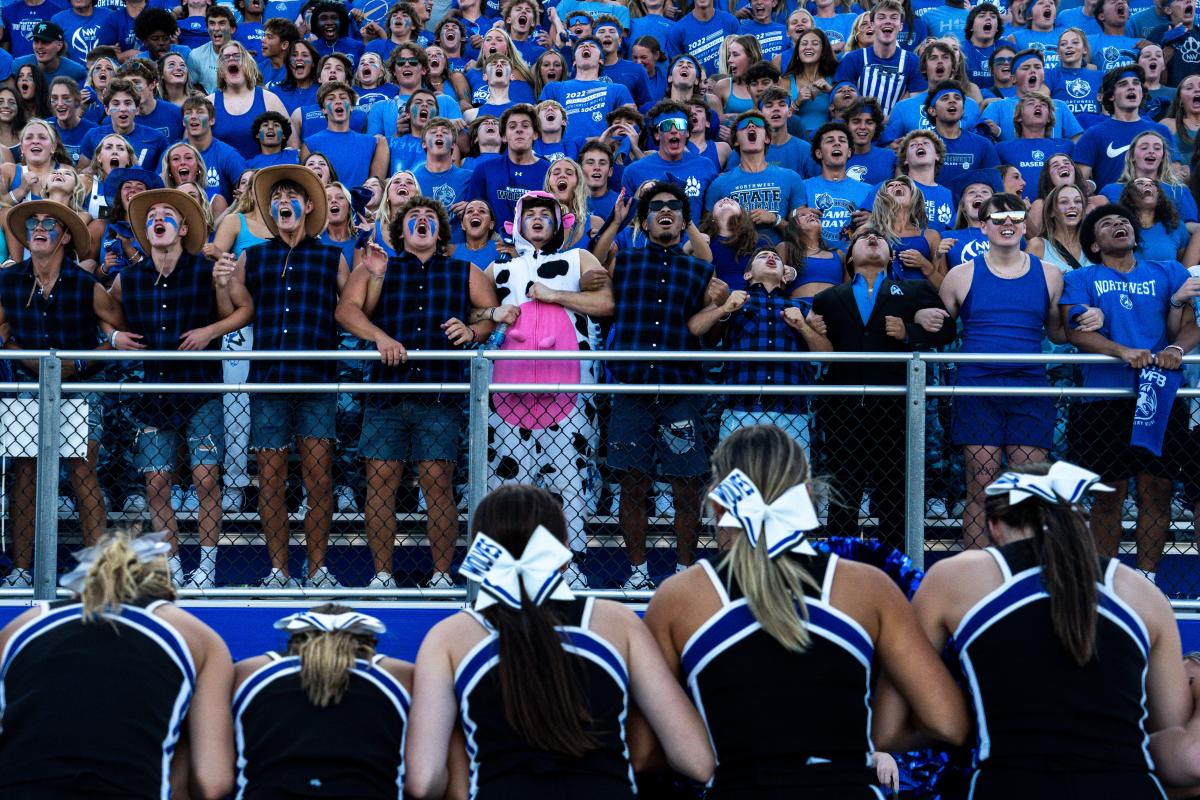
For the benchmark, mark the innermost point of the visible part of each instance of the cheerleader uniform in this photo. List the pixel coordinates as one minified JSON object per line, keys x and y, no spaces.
{"x":503,"y":765}
{"x":815,"y":742}
{"x":289,"y":748}
{"x":1048,"y":728}
{"x":92,"y":708}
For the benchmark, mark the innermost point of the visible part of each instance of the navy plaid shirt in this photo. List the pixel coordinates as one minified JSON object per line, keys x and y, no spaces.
{"x":415,"y":300}
{"x":63,"y":320}
{"x":295,"y":293}
{"x":758,"y":327}
{"x":656,"y":290}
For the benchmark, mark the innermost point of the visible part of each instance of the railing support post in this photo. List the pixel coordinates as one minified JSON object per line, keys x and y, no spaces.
{"x":477,"y":442}
{"x":914,"y":463}
{"x":45,"y":543}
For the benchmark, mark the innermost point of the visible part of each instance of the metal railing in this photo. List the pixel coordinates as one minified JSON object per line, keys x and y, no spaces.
{"x":51,"y":390}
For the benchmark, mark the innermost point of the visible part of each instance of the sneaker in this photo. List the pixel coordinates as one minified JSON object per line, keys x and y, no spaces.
{"x":231,"y":500}
{"x":191,"y":501}
{"x":440,"y":580}
{"x":935,"y":508}
{"x":322,"y":578}
{"x":958,"y":509}
{"x":1129,"y":508}
{"x":343,"y":496}
{"x":638,"y":580}
{"x":382,"y":580}
{"x":201,"y":579}
{"x":277,"y":580}
{"x":66,"y":504}
{"x":134,"y":504}
{"x":864,"y":506}
{"x":176,"y":497}
{"x":575,"y":577}
{"x":17,"y":578}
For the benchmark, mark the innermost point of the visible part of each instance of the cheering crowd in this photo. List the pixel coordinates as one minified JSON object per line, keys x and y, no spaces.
{"x":317,"y":176}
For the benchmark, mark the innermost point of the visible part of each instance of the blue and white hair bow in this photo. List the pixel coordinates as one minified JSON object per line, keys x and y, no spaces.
{"x":782,"y":525}
{"x":1064,"y":482}
{"x":146,"y":547}
{"x":501,"y":577}
{"x":348,"y":621}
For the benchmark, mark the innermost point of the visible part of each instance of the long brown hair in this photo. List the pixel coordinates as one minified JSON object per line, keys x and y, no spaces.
{"x":540,"y":686}
{"x":326,"y":658}
{"x":1070,"y":564}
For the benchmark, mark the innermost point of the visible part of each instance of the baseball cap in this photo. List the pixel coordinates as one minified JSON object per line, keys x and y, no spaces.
{"x":47,"y":32}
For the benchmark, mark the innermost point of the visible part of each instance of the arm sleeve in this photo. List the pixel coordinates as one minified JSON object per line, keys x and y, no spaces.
{"x":1075,"y":290}
{"x":1085,"y":151}
{"x":1070,"y":125}
{"x":850,"y":68}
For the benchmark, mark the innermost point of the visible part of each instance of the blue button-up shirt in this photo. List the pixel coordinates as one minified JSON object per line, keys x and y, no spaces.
{"x":866,"y":298}
{"x":295,"y":293}
{"x":656,"y":291}
{"x":759,"y":327}
{"x":64,"y":319}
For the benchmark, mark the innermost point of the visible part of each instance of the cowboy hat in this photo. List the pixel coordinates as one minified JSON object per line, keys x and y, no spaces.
{"x":197,"y":228}
{"x":267,"y":178}
{"x":81,"y":242}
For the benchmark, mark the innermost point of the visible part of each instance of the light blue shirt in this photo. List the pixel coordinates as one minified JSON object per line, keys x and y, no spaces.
{"x":864,"y":298}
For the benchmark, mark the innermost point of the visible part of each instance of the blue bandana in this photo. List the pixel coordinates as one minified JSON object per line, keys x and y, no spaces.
{"x":1018,"y":61}
{"x":1156,"y":390}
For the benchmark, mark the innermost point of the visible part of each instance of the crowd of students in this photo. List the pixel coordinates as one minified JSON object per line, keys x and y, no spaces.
{"x":588,"y":175}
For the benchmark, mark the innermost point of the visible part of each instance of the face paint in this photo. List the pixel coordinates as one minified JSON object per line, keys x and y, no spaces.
{"x":293,"y":204}
{"x":432,"y":224}
{"x":165,"y":220}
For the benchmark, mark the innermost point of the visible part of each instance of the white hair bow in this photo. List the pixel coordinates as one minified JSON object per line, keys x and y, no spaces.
{"x":349,"y":621}
{"x":781,"y":524}
{"x":501,"y":577}
{"x":146,"y":547}
{"x":1064,"y":481}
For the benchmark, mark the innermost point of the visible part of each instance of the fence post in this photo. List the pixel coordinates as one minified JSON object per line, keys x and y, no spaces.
{"x":477,"y":441}
{"x":914,"y":463}
{"x":45,"y":543}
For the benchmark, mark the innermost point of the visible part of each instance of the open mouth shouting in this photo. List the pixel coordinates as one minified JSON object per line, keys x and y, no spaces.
{"x":561,"y":185}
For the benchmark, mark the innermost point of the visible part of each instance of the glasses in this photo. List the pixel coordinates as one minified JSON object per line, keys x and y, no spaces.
{"x":49,"y":224}
{"x":231,"y":57}
{"x":672,"y":124}
{"x":1003,"y":61}
{"x":407,"y":62}
{"x":751,"y":122}
{"x":672,"y":205}
{"x":1000,"y":217}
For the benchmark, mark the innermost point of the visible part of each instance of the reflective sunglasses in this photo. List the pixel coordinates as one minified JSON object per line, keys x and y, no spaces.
{"x":999,"y":217}
{"x":47,"y":225}
{"x":407,"y":62}
{"x":659,"y":205}
{"x":751,"y":122}
{"x":672,"y":124}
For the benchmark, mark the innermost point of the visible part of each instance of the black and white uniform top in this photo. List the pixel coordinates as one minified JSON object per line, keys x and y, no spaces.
{"x":503,"y":764}
{"x":92,"y":704}
{"x":781,"y":721}
{"x":287,"y":747}
{"x":1046,"y":725}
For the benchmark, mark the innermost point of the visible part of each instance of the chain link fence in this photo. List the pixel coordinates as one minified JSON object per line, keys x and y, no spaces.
{"x":375,"y":500}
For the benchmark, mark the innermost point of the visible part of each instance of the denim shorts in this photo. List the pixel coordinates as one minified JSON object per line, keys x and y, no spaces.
{"x":276,"y":420}
{"x":158,"y":448}
{"x":798,"y":426}
{"x":411,"y":431}
{"x":95,"y":416}
{"x":647,"y":430}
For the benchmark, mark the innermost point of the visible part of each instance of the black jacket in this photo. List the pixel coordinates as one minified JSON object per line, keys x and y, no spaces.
{"x":847,"y":333}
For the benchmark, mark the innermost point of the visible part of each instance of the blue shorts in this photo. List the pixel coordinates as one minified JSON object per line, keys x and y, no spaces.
{"x":157,"y":448}
{"x":644,"y":427}
{"x":411,"y":431}
{"x":1003,"y":421}
{"x":276,"y":420}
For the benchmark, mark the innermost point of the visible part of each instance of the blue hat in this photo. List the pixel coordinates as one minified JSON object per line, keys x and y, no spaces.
{"x":118,"y":177}
{"x":959,"y":183}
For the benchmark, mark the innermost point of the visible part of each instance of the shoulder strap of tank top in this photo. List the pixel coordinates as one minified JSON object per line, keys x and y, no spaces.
{"x":273,"y":656}
{"x":585,"y":620}
{"x":1110,"y":574}
{"x":377,"y":659}
{"x":827,"y":584}
{"x":480,"y":618}
{"x":715,"y":579}
{"x":153,"y":604}
{"x":1000,"y":562}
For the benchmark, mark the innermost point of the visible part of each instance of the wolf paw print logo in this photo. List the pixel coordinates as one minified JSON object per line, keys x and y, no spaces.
{"x":692,"y":187}
{"x":1188,"y":50}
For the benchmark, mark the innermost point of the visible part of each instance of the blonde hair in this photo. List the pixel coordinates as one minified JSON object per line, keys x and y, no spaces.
{"x":202,"y":201}
{"x":80,"y":192}
{"x":386,"y":213}
{"x":883,"y":213}
{"x":1037,"y":96}
{"x":773,"y":588}
{"x":94,"y":165}
{"x":326,"y":658}
{"x":519,"y":68}
{"x":1166,"y":169}
{"x":249,"y":66}
{"x":58,"y":155}
{"x":165,"y":172}
{"x":578,"y":203}
{"x":118,"y":577}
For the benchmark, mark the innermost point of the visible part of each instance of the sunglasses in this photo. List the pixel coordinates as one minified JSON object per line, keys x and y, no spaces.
{"x":672,"y":205}
{"x":407,"y":62}
{"x":47,"y":225}
{"x":1003,"y":61}
{"x":672,"y":124}
{"x":751,"y":122}
{"x":1000,"y":217}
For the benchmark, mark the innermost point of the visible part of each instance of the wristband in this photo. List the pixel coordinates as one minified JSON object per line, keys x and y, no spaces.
{"x":112,"y":339}
{"x":1176,"y":305}
{"x":492,"y":314}
{"x":1175,"y":347}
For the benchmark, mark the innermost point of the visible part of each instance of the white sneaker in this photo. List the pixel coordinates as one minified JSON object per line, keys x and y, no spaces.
{"x":1129,"y":508}
{"x":638,"y":580}
{"x":201,"y":579}
{"x":191,"y":501}
{"x":344,"y":498}
{"x":935,"y":508}
{"x":176,"y":497}
{"x":440,"y":580}
{"x":382,"y":580}
{"x":18,"y":578}
{"x":277,"y":580}
{"x":575,"y":577}
{"x":322,"y":578}
{"x":231,"y":500}
{"x":134,"y":504}
{"x":958,"y":509}
{"x":66,"y":504}
{"x":864,"y":506}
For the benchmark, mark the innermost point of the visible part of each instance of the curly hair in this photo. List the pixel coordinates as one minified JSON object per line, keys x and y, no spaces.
{"x":396,"y":226}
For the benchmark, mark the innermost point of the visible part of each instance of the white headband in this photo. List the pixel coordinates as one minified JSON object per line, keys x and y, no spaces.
{"x":348,"y":621}
{"x":1063,"y":483}
{"x":146,"y":547}
{"x":501,"y":577}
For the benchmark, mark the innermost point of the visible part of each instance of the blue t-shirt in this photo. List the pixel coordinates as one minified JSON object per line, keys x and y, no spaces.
{"x":381,"y":118}
{"x":693,"y":172}
{"x":285,"y":9}
{"x":1075,"y":18}
{"x":1156,"y":243}
{"x":701,"y":39}
{"x":837,"y":201}
{"x":772,"y":37}
{"x":776,"y":189}
{"x":224,"y":166}
{"x":1108,"y":51}
{"x":518,"y":91}
{"x":482,"y":258}
{"x":1103,"y":147}
{"x":969,"y":151}
{"x":633,"y":78}
{"x":794,"y":154}
{"x":349,"y":153}
{"x":1001,"y":113}
{"x":73,"y":139}
{"x":1029,"y":156}
{"x":587,"y":104}
{"x":655,"y":25}
{"x":602,"y":206}
{"x":166,"y":118}
{"x":946,"y":21}
{"x":83,"y":33}
{"x":1181,"y":196}
{"x":250,"y":34}
{"x":404,"y":153}
{"x":968,"y":244}
{"x":499,"y":182}
{"x":447,"y":187}
{"x":939,"y":204}
{"x":836,"y":28}
{"x":67,"y":68}
{"x":20,"y":19}
{"x":1080,"y":90}
{"x":977,"y":59}
{"x":1046,"y":41}
{"x":872,"y":167}
{"x":1136,"y":305}
{"x":909,"y":115}
{"x":148,"y":144}
{"x":284,"y":156}
{"x":193,"y":32}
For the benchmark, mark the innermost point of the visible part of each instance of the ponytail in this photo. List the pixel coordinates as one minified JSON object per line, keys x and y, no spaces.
{"x":117,"y":576}
{"x":326,"y":658}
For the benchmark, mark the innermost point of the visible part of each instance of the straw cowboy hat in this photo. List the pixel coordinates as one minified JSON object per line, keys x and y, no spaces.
{"x":81,"y":242}
{"x":139,"y":207}
{"x":267,"y":178}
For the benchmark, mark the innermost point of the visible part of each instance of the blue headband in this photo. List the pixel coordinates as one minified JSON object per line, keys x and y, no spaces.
{"x":943,"y":92}
{"x":1129,"y":73}
{"x":840,"y":84}
{"x":1019,"y":60}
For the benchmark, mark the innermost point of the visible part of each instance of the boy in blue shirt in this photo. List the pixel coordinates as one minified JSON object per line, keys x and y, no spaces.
{"x":1100,"y":151}
{"x":868,"y":164}
{"x":84,"y":26}
{"x":834,"y":194}
{"x":672,"y":162}
{"x":121,"y":101}
{"x":586,"y":97}
{"x":355,"y":156}
{"x":700,"y":34}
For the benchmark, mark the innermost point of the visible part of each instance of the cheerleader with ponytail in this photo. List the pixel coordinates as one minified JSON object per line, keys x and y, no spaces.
{"x":541,"y":682}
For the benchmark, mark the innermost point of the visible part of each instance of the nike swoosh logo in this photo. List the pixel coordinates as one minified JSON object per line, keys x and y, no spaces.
{"x":1115,"y":153}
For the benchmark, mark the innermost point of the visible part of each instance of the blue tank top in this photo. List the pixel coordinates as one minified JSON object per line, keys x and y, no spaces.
{"x":245,"y":238}
{"x":821,"y":269}
{"x":899,"y":272}
{"x":1004,"y":315}
{"x":16,"y":181}
{"x":379,"y":240}
{"x":235,"y":129}
{"x":736,"y":105}
{"x":710,"y":152}
{"x":728,"y":265}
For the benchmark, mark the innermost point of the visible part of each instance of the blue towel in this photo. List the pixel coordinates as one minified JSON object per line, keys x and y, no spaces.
{"x":1156,"y":390}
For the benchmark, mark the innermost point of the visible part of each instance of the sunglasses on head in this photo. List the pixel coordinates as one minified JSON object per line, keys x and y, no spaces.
{"x":659,"y":205}
{"x":672,"y":124}
{"x":751,"y":122}
{"x":999,"y":217}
